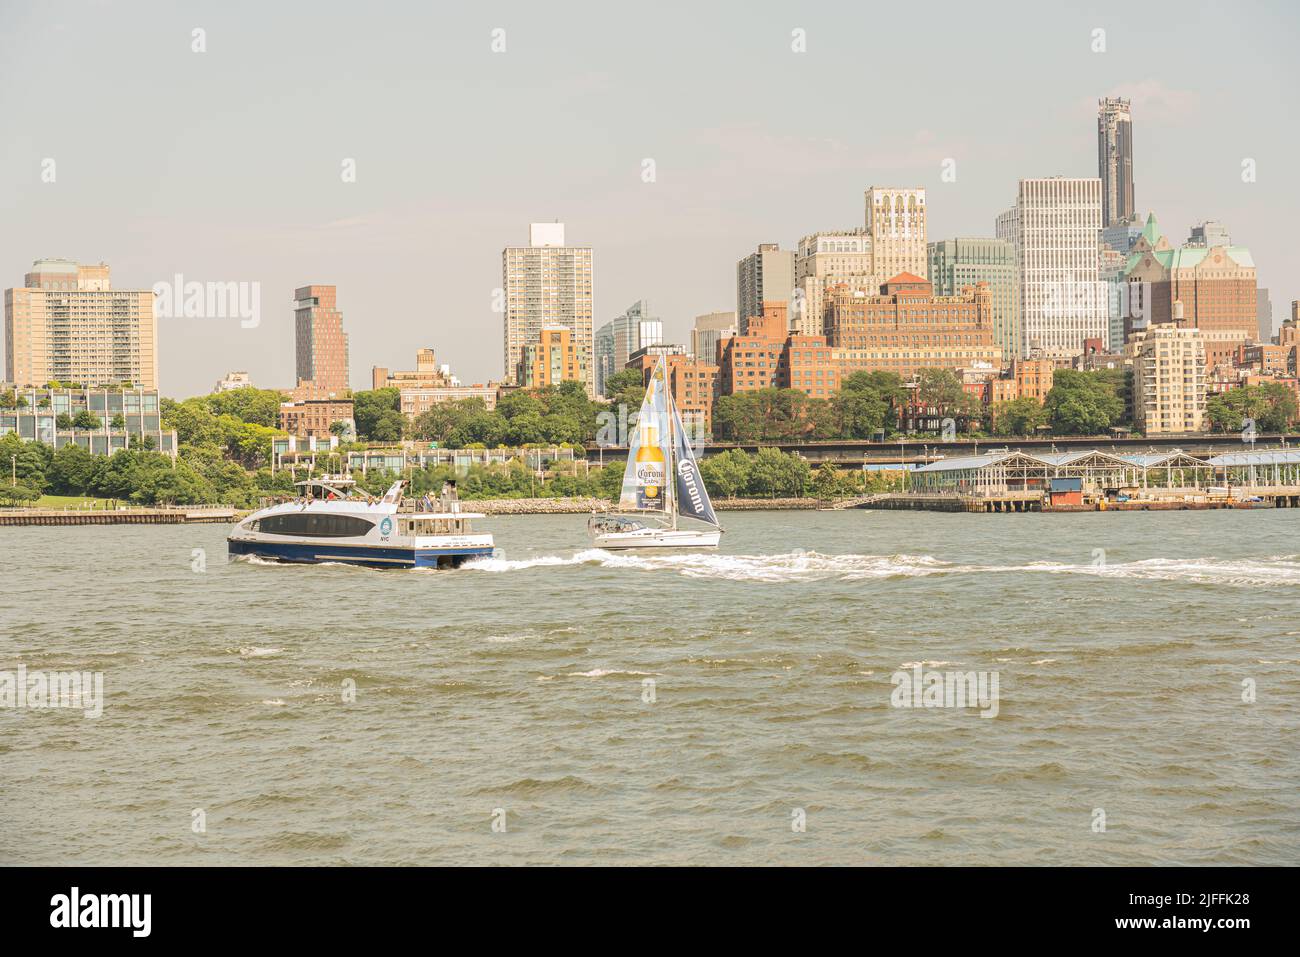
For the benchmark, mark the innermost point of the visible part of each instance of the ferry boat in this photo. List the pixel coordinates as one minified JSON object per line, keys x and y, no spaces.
{"x":331,"y":521}
{"x":661,"y":483}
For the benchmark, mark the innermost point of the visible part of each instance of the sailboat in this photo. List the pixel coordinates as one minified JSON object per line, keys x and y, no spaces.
{"x":661,"y":483}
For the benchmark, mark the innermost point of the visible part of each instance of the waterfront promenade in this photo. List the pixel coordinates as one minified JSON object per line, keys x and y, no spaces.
{"x":1156,"y":500}
{"x":180,"y":515}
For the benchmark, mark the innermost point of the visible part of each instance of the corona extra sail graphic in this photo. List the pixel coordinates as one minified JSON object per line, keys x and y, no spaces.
{"x":662,"y":474}
{"x":645,"y":480}
{"x":692,"y":498}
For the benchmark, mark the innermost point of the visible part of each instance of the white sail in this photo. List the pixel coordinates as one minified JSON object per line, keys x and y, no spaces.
{"x":627,"y":493}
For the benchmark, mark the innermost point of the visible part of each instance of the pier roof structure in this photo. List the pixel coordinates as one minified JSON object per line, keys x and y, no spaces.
{"x":1262,"y":457}
{"x":1275,"y":467}
{"x":1016,"y":470}
{"x":1177,"y":459}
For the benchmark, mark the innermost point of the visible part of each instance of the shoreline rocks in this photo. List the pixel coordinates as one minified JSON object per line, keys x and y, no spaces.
{"x":532,"y":506}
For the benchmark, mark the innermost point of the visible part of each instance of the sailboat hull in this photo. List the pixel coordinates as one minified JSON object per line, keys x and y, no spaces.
{"x":658,"y":538}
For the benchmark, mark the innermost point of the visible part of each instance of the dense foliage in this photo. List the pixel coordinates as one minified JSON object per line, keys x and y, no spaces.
{"x":1270,"y":407}
{"x":514,"y":479}
{"x":378,"y":414}
{"x":868,"y":405}
{"x":554,"y":416}
{"x":860,"y":410}
{"x":224,"y":440}
{"x":1021,"y":417}
{"x":1086,"y":403}
{"x":238,"y":424}
{"x":626,"y":388}
{"x":771,"y":473}
{"x":767,"y":473}
{"x":139,"y":476}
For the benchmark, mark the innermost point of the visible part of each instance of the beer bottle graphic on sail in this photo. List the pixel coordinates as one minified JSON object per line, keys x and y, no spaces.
{"x":651,"y":468}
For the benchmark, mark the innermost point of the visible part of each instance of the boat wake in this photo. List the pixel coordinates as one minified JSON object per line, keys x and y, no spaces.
{"x":1201,"y":571}
{"x":813,"y":566}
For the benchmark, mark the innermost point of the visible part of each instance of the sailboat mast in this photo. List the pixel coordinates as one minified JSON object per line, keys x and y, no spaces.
{"x":671,"y":478}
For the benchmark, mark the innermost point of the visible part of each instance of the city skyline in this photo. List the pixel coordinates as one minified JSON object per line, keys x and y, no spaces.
{"x":218,"y":201}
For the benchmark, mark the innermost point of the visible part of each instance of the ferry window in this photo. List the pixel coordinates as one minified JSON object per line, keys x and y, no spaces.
{"x":316,"y":526}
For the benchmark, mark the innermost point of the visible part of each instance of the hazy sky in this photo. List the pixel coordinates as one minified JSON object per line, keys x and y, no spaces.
{"x":225,"y":165}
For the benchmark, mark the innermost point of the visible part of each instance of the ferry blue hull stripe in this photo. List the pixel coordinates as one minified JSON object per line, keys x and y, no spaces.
{"x":326,"y":551}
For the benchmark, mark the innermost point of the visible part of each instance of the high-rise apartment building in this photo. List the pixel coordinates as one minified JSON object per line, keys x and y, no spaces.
{"x":623,"y":335}
{"x":602,"y":356}
{"x":958,"y":263}
{"x":708,"y":331}
{"x":1212,"y":289}
{"x":547,"y":283}
{"x":823,"y":260}
{"x":67,"y":323}
{"x":896,"y":227}
{"x":1115,"y":159}
{"x":322,"y":345}
{"x":765,"y":275}
{"x":1056,"y":229}
{"x":1168,"y":379}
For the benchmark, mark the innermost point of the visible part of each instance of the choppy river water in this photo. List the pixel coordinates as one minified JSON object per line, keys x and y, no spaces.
{"x":565,"y":705}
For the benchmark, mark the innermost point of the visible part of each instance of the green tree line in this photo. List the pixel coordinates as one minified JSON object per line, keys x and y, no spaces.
{"x":1270,"y":407}
{"x":557,"y":415}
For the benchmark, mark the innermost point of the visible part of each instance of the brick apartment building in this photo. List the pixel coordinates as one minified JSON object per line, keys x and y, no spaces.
{"x":555,"y":356}
{"x":750,"y":360}
{"x":312,"y":418}
{"x":692,"y":383}
{"x":907,"y":327}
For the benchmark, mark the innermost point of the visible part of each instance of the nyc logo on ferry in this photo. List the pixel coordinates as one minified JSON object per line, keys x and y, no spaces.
{"x":386,"y":526}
